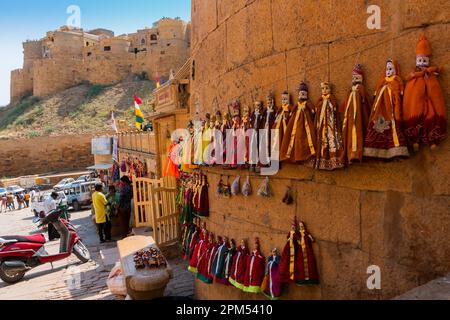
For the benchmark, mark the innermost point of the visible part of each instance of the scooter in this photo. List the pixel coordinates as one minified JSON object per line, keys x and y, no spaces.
{"x":20,"y":254}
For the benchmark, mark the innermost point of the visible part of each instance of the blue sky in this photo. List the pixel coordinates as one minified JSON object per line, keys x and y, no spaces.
{"x":31,"y":19}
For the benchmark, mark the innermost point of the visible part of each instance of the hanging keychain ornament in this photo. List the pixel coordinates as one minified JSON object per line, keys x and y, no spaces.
{"x":236,"y":186}
{"x":247,"y":188}
{"x":220,"y":187}
{"x":288,"y":198}
{"x":264,"y":189}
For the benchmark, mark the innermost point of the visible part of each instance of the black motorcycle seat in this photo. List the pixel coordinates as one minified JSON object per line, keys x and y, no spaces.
{"x":39,"y":238}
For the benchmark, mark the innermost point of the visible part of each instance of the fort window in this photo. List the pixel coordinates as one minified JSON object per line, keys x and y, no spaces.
{"x":107,"y":48}
{"x":143,"y":41}
{"x":168,"y":44}
{"x":89,"y":54}
{"x":154,"y":37}
{"x":163,"y":52}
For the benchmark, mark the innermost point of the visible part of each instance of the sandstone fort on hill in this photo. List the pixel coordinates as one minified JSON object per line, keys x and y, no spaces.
{"x":66,"y":57}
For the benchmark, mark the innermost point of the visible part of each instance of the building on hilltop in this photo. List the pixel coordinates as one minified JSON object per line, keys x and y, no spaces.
{"x":67,"y":56}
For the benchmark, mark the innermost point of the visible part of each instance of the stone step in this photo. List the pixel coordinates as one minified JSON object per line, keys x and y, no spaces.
{"x":438,"y":289}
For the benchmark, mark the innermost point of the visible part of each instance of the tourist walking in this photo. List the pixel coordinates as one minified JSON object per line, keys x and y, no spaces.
{"x":10,"y":202}
{"x":27,"y":199}
{"x":99,"y":204}
{"x":3,"y":203}
{"x":126,"y":196}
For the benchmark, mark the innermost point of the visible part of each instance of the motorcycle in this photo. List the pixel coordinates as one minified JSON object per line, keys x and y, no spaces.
{"x":20,"y":254}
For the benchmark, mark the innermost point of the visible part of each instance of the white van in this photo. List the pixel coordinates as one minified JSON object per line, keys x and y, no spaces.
{"x":79,"y":194}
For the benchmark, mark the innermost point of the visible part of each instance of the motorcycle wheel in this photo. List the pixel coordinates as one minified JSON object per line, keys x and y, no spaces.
{"x":11,"y":277}
{"x":81,"y":252}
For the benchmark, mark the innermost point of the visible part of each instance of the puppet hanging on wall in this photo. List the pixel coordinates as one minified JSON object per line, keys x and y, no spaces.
{"x":300,"y":137}
{"x":254,"y":271}
{"x":329,"y":138}
{"x":271,"y":286}
{"x":236,"y":126}
{"x":201,"y":196}
{"x":266,"y":137}
{"x":282,"y":119}
{"x":224,"y":127}
{"x":245,"y":125}
{"x":385,"y":138}
{"x":198,"y":250}
{"x":224,"y":276}
{"x":203,"y":265}
{"x":239,"y":266}
{"x":424,"y":109}
{"x":217,"y":139}
{"x":298,"y":263}
{"x":257,"y":123}
{"x":219,"y":259}
{"x":356,"y":110}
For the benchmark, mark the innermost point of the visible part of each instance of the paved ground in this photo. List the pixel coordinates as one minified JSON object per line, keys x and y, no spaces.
{"x":68,"y":279}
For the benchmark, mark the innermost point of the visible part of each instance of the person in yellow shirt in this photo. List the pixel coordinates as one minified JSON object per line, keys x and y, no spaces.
{"x":102,"y":220}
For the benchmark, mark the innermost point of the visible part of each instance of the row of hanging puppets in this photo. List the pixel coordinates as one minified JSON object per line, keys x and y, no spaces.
{"x":328,"y":136}
{"x":218,"y":259}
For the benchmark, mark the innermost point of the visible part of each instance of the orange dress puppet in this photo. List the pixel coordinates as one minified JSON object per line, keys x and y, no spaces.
{"x":424,"y":109}
{"x":356,"y":110}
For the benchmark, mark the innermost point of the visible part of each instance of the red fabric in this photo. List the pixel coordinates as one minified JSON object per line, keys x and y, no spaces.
{"x":198,"y":250}
{"x":239,"y":265}
{"x":255,"y":269}
{"x":285,"y":263}
{"x":204,"y":260}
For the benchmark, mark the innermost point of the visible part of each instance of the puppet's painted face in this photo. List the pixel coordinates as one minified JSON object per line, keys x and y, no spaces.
{"x":422,"y":61}
{"x":246,"y":112}
{"x":258,"y":106}
{"x":357,"y":79}
{"x":390,"y":69}
{"x":303,"y":95}
{"x":285,"y":99}
{"x":274,"y":252}
{"x":326,"y":90}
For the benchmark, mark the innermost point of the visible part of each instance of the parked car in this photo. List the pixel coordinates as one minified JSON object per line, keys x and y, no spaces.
{"x":15,"y":190}
{"x":3,"y":192}
{"x":37,"y":205}
{"x":85,"y":178}
{"x":79,"y":194}
{"x":63,"y":184}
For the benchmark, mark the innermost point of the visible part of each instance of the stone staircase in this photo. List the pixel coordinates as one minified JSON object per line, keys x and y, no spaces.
{"x":438,"y":289}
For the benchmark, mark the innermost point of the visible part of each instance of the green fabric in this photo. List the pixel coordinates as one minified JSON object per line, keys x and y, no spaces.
{"x":204,"y":279}
{"x":112,"y":199}
{"x":252,"y":289}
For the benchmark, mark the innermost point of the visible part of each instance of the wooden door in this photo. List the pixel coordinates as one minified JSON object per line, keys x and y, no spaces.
{"x":155,"y":206}
{"x":166,"y":126}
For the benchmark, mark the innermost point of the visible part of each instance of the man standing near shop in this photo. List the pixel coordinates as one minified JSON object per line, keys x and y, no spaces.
{"x":99,"y":203}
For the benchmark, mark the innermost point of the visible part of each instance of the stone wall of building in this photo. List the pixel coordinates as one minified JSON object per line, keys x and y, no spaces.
{"x":21,"y":84}
{"x":391,"y":214}
{"x":45,"y":155}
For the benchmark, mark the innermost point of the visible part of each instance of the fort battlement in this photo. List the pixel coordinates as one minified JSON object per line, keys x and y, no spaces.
{"x":66,"y":56}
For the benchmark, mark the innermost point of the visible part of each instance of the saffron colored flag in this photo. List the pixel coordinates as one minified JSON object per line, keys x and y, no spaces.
{"x":138,"y":112}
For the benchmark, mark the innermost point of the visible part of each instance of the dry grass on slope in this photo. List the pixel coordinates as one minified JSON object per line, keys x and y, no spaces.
{"x":82,"y":109}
